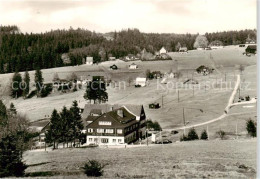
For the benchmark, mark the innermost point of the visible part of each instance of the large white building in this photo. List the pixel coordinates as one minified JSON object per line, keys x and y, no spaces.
{"x":123,"y":125}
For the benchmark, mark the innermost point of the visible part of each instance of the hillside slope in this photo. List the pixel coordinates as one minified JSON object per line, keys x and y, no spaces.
{"x":198,"y":159}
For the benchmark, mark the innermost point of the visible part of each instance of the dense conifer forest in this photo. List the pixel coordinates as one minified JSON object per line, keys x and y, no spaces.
{"x":22,"y":51}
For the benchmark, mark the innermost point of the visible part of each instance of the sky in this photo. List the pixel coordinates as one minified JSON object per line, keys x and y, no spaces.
{"x":158,"y":16}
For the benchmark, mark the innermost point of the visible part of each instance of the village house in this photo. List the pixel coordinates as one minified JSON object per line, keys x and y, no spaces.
{"x":133,"y":66}
{"x":163,"y":50}
{"x":140,"y":81}
{"x":89,"y":60}
{"x":251,"y":49}
{"x":183,"y":49}
{"x":107,"y":124}
{"x":111,"y":58}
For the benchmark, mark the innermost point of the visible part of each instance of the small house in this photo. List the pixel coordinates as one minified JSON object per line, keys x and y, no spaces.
{"x":163,"y":50}
{"x":133,"y":66}
{"x":89,"y":60}
{"x":140,"y":81}
{"x":111,"y":58}
{"x":113,"y":67}
{"x":251,"y":49}
{"x":183,"y":49}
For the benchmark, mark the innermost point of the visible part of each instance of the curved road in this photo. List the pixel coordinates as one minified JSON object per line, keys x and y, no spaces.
{"x":229,"y":105}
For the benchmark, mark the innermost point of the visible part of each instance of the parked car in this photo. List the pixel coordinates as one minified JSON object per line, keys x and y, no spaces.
{"x":165,"y":141}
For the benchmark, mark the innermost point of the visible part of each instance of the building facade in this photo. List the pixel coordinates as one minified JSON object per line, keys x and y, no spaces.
{"x":123,"y":125}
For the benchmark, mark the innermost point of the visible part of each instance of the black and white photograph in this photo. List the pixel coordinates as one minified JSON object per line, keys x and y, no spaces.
{"x":128,"y":89}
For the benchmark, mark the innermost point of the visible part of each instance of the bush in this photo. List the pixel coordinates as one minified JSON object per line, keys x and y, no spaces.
{"x":204,"y":135}
{"x":184,"y":138}
{"x":153,"y":125}
{"x":221,"y":134}
{"x":46,"y":90}
{"x":93,"y":168}
{"x":251,"y":128}
{"x":192,"y":135}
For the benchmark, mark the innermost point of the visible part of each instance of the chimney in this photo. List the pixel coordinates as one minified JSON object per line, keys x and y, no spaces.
{"x":120,"y":113}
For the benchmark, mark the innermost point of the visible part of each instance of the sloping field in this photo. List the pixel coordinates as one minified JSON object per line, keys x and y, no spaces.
{"x":212,"y":100}
{"x":198,"y":159}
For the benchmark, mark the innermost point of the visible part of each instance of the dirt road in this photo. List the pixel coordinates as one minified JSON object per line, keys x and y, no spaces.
{"x":225,"y":113}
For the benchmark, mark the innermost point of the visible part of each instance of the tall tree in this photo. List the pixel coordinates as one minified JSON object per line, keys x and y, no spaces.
{"x":54,"y":133}
{"x":10,"y":157}
{"x":66,"y":126}
{"x":77,"y":124}
{"x":38,"y":80}
{"x":3,"y":114}
{"x":16,"y":86}
{"x":201,"y":42}
{"x":96,"y":91}
{"x":26,"y":80}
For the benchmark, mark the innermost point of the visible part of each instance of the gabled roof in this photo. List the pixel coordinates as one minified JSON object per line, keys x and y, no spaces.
{"x":117,"y":121}
{"x":96,"y":111}
{"x":102,"y":107}
{"x":133,"y":108}
{"x":251,"y":47}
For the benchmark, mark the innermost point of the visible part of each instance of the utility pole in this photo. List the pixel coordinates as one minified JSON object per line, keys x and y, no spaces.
{"x":162,"y":100}
{"x":225,"y":77}
{"x":193,"y":90}
{"x":236,"y":131}
{"x":178,"y":96}
{"x":208,"y":131}
{"x":183,"y":116}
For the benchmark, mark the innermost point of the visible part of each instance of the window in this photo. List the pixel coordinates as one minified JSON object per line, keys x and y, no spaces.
{"x":90,"y":139}
{"x":104,"y":123}
{"x":100,"y":130}
{"x":119,"y":140}
{"x":104,"y":140}
{"x":114,"y":140}
{"x":119,"y":131}
{"x":109,"y":131}
{"x":95,"y":139}
{"x":90,"y":130}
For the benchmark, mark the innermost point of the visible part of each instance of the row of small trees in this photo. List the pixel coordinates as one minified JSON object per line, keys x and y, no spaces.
{"x":192,"y":134}
{"x":21,"y":86}
{"x":65,"y":126}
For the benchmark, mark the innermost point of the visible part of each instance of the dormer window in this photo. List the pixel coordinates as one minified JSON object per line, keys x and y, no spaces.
{"x":105,"y":123}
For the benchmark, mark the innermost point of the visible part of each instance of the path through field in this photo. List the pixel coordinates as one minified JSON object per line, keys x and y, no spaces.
{"x":225,"y":114}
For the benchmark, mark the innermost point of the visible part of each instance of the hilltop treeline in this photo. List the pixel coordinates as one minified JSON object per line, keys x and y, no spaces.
{"x":20,"y":52}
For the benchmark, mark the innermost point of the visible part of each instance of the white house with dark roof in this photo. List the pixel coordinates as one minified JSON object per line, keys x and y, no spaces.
{"x":89,"y":60}
{"x":140,"y":81}
{"x":123,"y":125}
{"x":133,"y":66}
{"x":163,"y":50}
{"x":93,"y":112}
